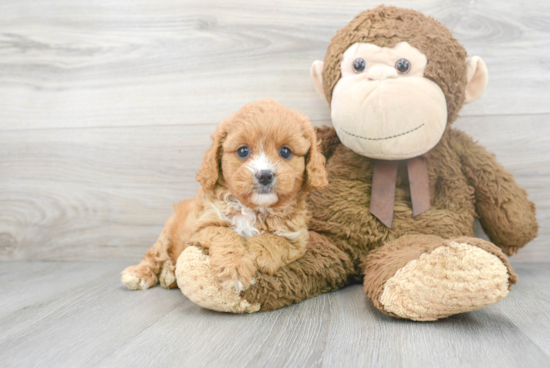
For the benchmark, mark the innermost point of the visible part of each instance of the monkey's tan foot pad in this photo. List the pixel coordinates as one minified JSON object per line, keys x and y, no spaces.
{"x":198,"y":283}
{"x":454,"y":278}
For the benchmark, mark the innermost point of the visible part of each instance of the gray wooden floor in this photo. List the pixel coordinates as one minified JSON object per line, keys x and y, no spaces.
{"x":106,"y":108}
{"x":76,"y":314}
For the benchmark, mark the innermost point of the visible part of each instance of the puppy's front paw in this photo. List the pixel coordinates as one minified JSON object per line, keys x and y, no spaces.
{"x":138,"y":278}
{"x":235,"y":275}
{"x":266,"y":261}
{"x":268,"y":264}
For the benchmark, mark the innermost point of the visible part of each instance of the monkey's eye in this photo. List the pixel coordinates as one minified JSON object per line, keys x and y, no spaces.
{"x":403,"y":66}
{"x":285,"y":153}
{"x":359,"y":65}
{"x":243,"y":152}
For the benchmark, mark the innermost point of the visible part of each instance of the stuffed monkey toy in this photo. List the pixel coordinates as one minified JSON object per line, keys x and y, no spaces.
{"x":404,"y":186}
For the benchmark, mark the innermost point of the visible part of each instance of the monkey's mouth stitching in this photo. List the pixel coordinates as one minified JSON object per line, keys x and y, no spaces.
{"x":384,"y":138}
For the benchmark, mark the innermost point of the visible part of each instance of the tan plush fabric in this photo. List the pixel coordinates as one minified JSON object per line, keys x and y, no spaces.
{"x":452,"y":279}
{"x":382,"y":264}
{"x":478,"y":78}
{"x":386,"y":26}
{"x":382,"y":114}
{"x":197,"y":281}
{"x":402,"y":276}
{"x":411,"y":123}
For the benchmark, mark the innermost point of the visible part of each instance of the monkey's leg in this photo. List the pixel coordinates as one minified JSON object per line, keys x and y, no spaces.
{"x":425,"y":277}
{"x":324,"y":267}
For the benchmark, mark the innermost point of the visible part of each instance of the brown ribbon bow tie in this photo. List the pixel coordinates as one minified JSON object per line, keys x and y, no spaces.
{"x":384,"y":181}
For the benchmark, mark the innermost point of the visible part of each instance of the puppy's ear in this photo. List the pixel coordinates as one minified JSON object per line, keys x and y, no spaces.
{"x":315,"y":162}
{"x":210,"y":168}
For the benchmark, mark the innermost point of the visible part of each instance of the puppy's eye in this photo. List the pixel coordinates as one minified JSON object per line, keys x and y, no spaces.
{"x":243,"y":152}
{"x":403,"y":66}
{"x":285,"y":153}
{"x":359,"y":65}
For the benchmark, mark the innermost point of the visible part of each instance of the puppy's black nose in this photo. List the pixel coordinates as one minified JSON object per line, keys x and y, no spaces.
{"x":265,"y":177}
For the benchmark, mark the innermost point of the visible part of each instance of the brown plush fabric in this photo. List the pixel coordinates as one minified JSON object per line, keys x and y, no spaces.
{"x":504,"y":211}
{"x":323,"y":268}
{"x":328,"y":141}
{"x":385,"y":26}
{"x":466,"y":182}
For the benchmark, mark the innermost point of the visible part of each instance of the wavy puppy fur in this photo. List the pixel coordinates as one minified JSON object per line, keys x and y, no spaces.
{"x":243,"y":222}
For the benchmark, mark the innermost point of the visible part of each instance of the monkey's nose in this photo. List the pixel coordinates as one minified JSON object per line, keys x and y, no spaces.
{"x":381,"y":72}
{"x":265,"y":177}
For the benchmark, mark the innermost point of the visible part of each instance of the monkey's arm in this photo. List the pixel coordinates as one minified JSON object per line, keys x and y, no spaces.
{"x":505,"y":213}
{"x":273,"y":251}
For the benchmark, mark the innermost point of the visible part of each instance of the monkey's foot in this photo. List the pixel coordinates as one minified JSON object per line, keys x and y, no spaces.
{"x":199,"y":283}
{"x":425,"y":278}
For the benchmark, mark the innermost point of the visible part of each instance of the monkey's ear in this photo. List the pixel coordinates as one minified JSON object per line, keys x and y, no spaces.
{"x":477,"y":77}
{"x":316,"y":73}
{"x":209,"y":171}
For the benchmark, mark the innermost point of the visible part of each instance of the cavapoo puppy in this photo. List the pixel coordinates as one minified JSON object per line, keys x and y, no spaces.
{"x":250,"y":213}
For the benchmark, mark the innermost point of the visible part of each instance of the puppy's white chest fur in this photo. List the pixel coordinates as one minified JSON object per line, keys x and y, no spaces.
{"x":243,"y":220}
{"x":245,"y":225}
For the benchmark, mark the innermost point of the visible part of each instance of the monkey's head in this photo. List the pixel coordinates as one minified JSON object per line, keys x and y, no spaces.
{"x":394,"y":79}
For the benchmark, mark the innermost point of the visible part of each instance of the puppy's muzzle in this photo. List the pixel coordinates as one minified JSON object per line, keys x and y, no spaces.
{"x":265,"y":177}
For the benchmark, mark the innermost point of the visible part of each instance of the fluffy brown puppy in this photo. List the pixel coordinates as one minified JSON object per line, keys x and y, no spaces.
{"x":404,"y":186}
{"x":250,"y":212}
